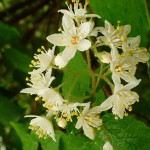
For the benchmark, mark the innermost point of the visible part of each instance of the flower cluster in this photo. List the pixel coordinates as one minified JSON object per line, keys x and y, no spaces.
{"x":122,"y":58}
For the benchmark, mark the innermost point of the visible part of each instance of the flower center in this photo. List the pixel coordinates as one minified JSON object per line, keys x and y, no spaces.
{"x":118,"y":68}
{"x":74,"y":40}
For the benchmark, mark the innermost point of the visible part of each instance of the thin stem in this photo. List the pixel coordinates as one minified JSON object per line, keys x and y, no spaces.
{"x":108,"y":82}
{"x":99,"y":76}
{"x":91,"y":72}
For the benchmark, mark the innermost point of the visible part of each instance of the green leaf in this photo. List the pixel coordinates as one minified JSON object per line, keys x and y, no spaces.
{"x":125,"y":134}
{"x":8,"y":111}
{"x":49,"y":143}
{"x":76,"y":78}
{"x":20,"y":60}
{"x":28,"y":142}
{"x":8,"y":34}
{"x":78,"y":142}
{"x":132,"y":12}
{"x":99,"y":97}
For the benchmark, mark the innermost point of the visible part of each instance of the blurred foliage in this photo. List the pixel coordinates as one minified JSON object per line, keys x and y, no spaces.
{"x":23,"y":28}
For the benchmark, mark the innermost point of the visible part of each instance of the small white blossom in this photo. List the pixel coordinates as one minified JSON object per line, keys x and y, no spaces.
{"x":107,"y":146}
{"x":114,"y":37}
{"x":42,"y":126}
{"x":43,"y":61}
{"x":89,"y":119}
{"x":131,"y":49}
{"x":78,"y":11}
{"x":122,"y":99}
{"x":39,"y":83}
{"x":73,"y":38}
{"x":66,"y":110}
{"x":123,"y":67}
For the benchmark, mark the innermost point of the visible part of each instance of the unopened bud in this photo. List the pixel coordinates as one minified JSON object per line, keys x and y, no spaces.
{"x":61,"y":122}
{"x":104,"y":57}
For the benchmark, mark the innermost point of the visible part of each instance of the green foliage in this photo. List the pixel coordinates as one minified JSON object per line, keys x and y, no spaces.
{"x":18,"y":59}
{"x":28,"y":142}
{"x":8,"y":34}
{"x":9,"y":111}
{"x":76,"y":78}
{"x":125,"y":134}
{"x":19,"y":39}
{"x":129,"y":12}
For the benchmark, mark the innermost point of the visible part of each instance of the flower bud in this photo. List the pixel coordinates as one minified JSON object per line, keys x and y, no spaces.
{"x":104,"y":57}
{"x":61,"y":122}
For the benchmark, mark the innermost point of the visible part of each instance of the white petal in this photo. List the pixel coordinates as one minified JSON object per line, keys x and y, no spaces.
{"x":85,"y":29}
{"x":86,"y":108}
{"x":119,"y":111}
{"x":44,"y":124}
{"x":116,"y":78}
{"x":107,"y":104}
{"x":92,"y":15}
{"x":84,"y":45}
{"x":88,"y":131}
{"x":80,"y":12}
{"x":68,"y":25}
{"x":79,"y":123}
{"x":30,"y":91}
{"x":66,"y":12}
{"x":62,"y":59}
{"x":131,"y":85}
{"x":58,"y":39}
{"x":107,"y":146}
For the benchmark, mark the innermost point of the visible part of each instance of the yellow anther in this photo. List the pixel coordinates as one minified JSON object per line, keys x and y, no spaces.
{"x":70,"y":6}
{"x":64,"y":115}
{"x":130,"y":108}
{"x":37,"y":98}
{"x":59,"y":29}
{"x":27,"y":79}
{"x":86,"y":2}
{"x":66,"y":2}
{"x":55,"y":112}
{"x":30,"y":65}
{"x":39,"y":50}
{"x":122,"y":38}
{"x":98,"y":128}
{"x":126,"y":114}
{"x":116,"y":118}
{"x":74,"y":40}
{"x":137,"y":100}
{"x":80,"y":5}
{"x":35,"y":57}
{"x":118,"y":21}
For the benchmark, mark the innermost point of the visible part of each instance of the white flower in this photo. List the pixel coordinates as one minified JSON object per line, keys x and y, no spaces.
{"x":66,"y":110}
{"x":52,"y":98}
{"x":78,"y":12}
{"x":42,"y":126}
{"x":89,"y":119}
{"x":39,"y":83}
{"x":123,"y":67}
{"x":114,"y":37}
{"x":107,"y":146}
{"x":122,"y":99}
{"x":73,"y":38}
{"x":131,"y":49}
{"x":43,"y":61}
